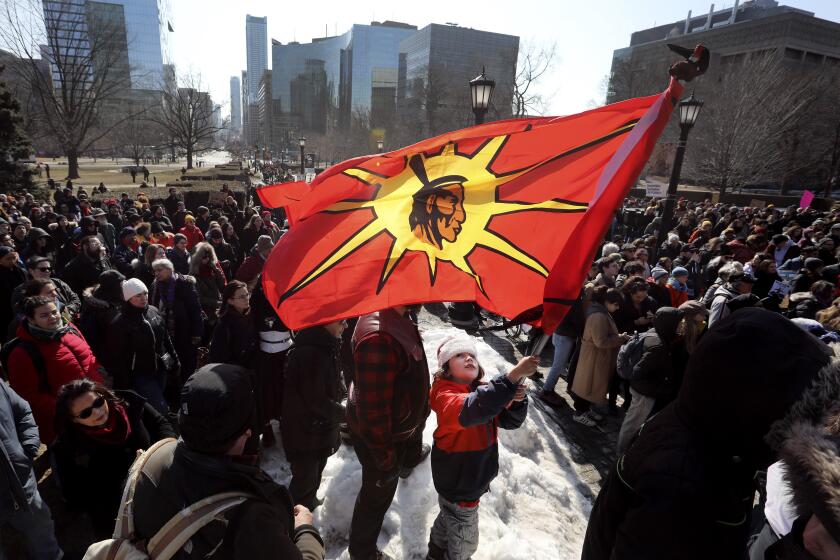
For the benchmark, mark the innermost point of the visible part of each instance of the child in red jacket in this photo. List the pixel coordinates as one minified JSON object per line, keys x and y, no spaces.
{"x":465,"y":457}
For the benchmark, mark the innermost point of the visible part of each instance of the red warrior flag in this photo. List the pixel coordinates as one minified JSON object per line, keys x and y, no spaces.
{"x":485,"y":214}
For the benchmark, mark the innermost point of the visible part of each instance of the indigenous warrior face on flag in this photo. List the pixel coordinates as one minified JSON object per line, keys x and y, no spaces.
{"x":438,"y":210}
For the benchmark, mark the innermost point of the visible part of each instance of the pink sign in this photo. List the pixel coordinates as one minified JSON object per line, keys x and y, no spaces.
{"x":806,"y":200}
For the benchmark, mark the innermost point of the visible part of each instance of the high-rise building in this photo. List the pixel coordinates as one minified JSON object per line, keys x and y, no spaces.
{"x":256,"y":47}
{"x":235,"y":104}
{"x":435,"y":67}
{"x":732,"y":35}
{"x":323,"y":83}
{"x":137,"y":30}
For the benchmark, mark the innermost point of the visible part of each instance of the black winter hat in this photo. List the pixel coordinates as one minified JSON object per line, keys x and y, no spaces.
{"x":127,"y":231}
{"x":217,"y":406}
{"x":110,"y":286}
{"x":746,"y":375}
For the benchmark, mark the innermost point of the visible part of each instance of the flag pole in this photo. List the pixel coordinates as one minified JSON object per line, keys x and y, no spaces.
{"x":538,"y":348}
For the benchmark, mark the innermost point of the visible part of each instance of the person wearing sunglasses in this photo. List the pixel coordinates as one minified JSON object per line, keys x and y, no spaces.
{"x":40,"y":268}
{"x":99,"y":435}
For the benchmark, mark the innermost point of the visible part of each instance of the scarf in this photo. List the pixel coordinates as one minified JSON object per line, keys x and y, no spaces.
{"x":116,"y":429}
{"x":165,"y":301}
{"x":677,"y":286}
{"x":48,"y":336}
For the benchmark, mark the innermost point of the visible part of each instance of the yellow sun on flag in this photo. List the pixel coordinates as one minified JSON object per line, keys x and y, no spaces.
{"x":441,"y":206}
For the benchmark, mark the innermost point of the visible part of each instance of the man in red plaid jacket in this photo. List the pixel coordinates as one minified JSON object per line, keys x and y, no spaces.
{"x":387,"y":411}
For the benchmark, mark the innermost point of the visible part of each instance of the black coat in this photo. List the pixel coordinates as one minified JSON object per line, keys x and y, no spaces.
{"x":184,"y":308}
{"x":137,"y":341}
{"x":83,"y":272}
{"x":122,"y":259}
{"x":657,"y":374}
{"x":685,"y":489}
{"x":92,"y":472}
{"x":261,"y":528}
{"x":234,"y":340}
{"x":95,"y":319}
{"x":181,"y":261}
{"x":313,"y":392}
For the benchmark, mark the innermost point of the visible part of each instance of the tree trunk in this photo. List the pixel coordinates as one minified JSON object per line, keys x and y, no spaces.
{"x":189,"y":158}
{"x":72,"y":164}
{"x":722,"y":190}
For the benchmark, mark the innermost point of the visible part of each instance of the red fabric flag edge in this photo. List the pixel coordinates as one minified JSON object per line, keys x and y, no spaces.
{"x":563,"y":286}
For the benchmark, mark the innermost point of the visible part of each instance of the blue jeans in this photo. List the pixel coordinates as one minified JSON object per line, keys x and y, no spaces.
{"x":151,"y":387}
{"x":36,"y":526}
{"x":563,"y":348}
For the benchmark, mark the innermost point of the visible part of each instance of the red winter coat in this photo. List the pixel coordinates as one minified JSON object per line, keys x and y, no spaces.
{"x":65,"y":360}
{"x":194,"y":236}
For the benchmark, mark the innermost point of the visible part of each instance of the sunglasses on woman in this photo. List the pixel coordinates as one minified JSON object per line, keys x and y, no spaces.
{"x":87,"y":412}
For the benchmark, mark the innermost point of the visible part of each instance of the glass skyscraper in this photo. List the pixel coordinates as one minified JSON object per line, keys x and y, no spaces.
{"x":235,"y":103}
{"x":145,"y":40}
{"x":439,"y":61}
{"x":256,"y":51}
{"x":324,"y":82}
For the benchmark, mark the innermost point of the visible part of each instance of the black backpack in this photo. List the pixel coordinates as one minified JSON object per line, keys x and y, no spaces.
{"x":34,"y":354}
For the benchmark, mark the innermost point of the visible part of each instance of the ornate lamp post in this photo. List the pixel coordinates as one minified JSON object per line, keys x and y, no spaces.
{"x":379,"y":145}
{"x":302,"y":141}
{"x":481,"y":88}
{"x":689,"y":110}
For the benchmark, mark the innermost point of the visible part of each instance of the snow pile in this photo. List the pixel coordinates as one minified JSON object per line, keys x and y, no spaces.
{"x":533,"y":510}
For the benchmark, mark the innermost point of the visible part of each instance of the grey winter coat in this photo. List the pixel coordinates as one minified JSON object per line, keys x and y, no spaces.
{"x":19,"y":443}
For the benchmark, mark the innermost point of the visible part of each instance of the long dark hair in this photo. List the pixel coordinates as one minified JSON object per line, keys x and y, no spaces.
{"x":69,"y":392}
{"x":228,"y":292}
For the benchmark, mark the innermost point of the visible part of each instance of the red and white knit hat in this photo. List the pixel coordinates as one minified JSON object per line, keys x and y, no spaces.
{"x":454,"y":345}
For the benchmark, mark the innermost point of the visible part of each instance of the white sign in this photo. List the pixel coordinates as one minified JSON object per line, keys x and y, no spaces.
{"x":655,"y":190}
{"x":310,"y":177}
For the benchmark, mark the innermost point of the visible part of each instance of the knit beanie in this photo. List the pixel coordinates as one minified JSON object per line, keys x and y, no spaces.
{"x":679,"y":271}
{"x":658,"y":272}
{"x":133,"y":287}
{"x":454,"y":345}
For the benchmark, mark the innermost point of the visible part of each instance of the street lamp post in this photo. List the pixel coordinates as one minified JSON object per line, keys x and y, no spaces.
{"x":379,"y":146}
{"x":302,"y":158}
{"x":462,"y":313}
{"x":689,"y":110}
{"x":481,"y":88}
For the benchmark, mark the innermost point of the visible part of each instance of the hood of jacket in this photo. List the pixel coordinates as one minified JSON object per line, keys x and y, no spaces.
{"x":665,"y":323}
{"x":812,"y":469}
{"x":750,"y":377}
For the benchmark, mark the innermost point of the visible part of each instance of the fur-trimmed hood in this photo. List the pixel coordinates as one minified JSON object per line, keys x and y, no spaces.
{"x":812,"y":469}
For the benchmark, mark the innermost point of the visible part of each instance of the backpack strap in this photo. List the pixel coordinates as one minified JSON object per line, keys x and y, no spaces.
{"x":181,"y":528}
{"x":35,"y":357}
{"x":124,"y":528}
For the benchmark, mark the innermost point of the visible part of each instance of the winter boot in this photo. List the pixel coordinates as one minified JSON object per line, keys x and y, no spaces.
{"x":406,"y":469}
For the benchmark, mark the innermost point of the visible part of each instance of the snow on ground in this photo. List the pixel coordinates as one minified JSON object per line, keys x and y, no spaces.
{"x":534,"y":509}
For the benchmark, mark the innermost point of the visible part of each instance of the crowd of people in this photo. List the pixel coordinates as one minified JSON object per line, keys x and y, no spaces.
{"x":715,"y":334}
{"x":131,"y":322}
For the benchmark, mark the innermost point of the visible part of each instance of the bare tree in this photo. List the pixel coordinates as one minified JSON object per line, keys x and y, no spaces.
{"x":188,"y":116}
{"x":751,"y":124}
{"x":74,"y":76}
{"x":534,"y":62}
